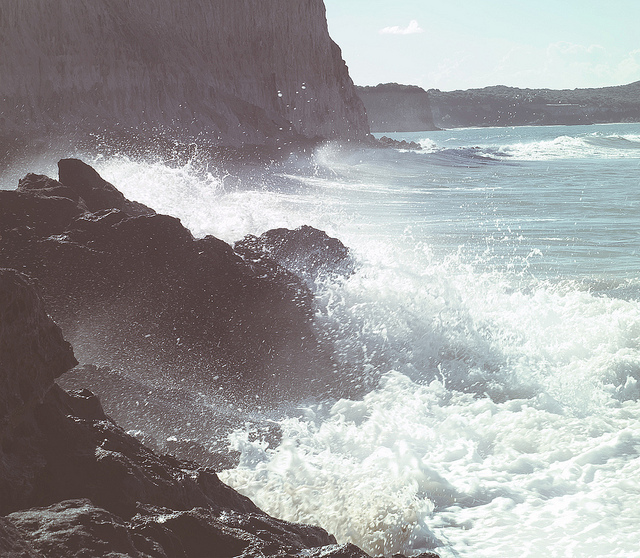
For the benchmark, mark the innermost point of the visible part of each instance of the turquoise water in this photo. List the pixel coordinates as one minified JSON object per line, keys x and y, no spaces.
{"x":570,"y":192}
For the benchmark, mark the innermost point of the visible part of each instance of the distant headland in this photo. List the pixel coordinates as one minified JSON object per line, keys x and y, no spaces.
{"x":393,"y":107}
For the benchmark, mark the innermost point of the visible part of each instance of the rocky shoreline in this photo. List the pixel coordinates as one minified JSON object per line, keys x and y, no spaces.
{"x":73,"y":482}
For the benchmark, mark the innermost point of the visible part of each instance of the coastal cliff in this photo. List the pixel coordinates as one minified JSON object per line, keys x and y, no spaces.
{"x":397,"y":108}
{"x":236,"y":71}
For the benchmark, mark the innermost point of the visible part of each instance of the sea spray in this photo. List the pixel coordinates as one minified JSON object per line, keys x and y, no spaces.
{"x":485,"y":396}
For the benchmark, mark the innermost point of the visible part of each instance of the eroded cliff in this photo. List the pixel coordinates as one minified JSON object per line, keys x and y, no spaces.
{"x":240,"y":71}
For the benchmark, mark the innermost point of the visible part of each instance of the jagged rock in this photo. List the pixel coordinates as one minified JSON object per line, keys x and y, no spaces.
{"x":338,"y":551}
{"x":40,"y":206}
{"x":399,"y":144}
{"x":305,"y":251}
{"x":72,"y":483}
{"x":13,"y":543}
{"x":76,"y":529}
{"x":171,"y":420}
{"x":96,"y":193}
{"x":138,"y":292}
{"x":32,"y":350}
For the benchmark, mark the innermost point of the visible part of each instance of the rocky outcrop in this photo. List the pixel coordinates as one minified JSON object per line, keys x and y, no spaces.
{"x":397,"y":108}
{"x":32,"y":351}
{"x":135,"y":291}
{"x":235,"y":72}
{"x":307,"y":252}
{"x":72,"y":483}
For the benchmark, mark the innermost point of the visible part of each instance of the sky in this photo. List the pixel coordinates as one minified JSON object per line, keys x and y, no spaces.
{"x":464,"y":44}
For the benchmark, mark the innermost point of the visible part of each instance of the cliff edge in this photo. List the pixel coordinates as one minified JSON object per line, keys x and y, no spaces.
{"x":238,"y":71}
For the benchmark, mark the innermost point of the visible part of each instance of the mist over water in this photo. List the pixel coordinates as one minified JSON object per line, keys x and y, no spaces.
{"x":491,"y":328}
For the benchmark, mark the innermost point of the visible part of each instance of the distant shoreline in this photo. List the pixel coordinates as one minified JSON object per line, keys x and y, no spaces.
{"x":402,"y":107}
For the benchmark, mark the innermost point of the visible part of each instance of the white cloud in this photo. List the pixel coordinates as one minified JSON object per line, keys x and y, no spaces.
{"x":628,"y":70}
{"x":410,"y":29}
{"x":566,"y":48}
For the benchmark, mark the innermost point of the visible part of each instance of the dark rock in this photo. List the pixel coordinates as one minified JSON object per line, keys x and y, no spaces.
{"x":138,"y":292}
{"x":305,"y":251}
{"x":337,"y":551}
{"x":78,"y":528}
{"x":174,"y":421}
{"x":72,"y":483}
{"x":199,"y":532}
{"x":95,"y":192}
{"x":34,"y":212}
{"x":399,"y":144}
{"x":13,"y":543}
{"x":75,"y":529}
{"x":46,"y":187}
{"x":32,"y":350}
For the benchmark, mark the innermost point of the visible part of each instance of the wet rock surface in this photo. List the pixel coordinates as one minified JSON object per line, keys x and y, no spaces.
{"x":307,"y":252}
{"x":72,"y":482}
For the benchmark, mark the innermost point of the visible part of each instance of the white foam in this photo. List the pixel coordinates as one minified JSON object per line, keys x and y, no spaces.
{"x":416,"y":466}
{"x":580,"y":146}
{"x":550,"y":466}
{"x":207,"y":201}
{"x":505,"y":418}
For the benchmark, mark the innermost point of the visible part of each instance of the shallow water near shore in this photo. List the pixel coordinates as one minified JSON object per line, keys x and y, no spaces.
{"x":492,"y":324}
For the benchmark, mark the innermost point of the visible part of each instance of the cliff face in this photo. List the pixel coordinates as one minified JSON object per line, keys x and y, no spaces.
{"x":243,"y":71}
{"x":397,"y":108}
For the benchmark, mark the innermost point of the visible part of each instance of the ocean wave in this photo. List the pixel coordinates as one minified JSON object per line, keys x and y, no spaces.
{"x":571,"y":147}
{"x":476,"y":403}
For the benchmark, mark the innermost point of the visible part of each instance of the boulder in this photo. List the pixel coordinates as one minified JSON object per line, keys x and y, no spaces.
{"x":307,"y":252}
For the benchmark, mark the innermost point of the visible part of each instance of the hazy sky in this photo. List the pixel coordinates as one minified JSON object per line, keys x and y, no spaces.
{"x":461,"y":44}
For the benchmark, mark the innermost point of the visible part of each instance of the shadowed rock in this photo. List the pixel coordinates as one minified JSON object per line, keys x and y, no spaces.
{"x":72,"y":483}
{"x":32,"y":350}
{"x":305,"y":251}
{"x":134,"y":290}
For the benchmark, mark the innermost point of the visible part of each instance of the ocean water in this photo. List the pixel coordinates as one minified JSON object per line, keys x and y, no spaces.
{"x":492,"y":327}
